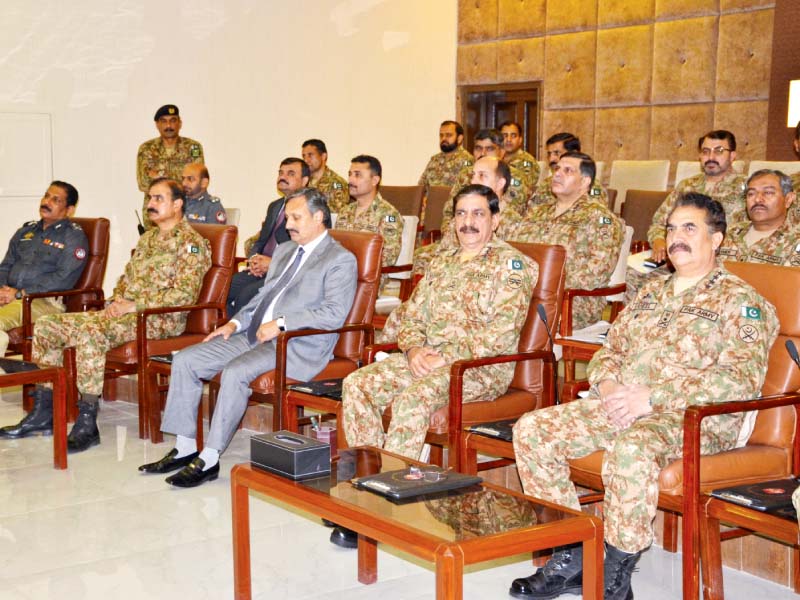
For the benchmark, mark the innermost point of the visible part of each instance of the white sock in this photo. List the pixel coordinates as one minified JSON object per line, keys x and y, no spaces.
{"x":210,"y":457}
{"x":185,"y":446}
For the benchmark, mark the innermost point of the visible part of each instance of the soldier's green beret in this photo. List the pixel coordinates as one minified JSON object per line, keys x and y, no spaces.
{"x":167,"y":110}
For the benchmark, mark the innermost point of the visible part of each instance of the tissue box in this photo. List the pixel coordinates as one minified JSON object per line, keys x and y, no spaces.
{"x":290,"y":454}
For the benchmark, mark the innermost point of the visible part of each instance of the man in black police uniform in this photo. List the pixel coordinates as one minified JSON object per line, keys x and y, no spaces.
{"x":201,"y":207}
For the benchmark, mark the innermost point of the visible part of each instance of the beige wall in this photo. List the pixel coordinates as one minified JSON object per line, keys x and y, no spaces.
{"x":633,"y":79}
{"x":252,"y":79}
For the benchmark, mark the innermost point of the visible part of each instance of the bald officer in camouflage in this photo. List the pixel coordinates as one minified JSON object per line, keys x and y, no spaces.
{"x":166,"y":155}
{"x":771,"y":234}
{"x":323,"y":178}
{"x":443,"y":168}
{"x":167,"y":269}
{"x":471,"y":303}
{"x":590,"y":232}
{"x":701,"y":335}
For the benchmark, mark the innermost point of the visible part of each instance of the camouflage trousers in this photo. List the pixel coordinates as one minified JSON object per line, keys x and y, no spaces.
{"x":544,"y":440}
{"x":11,"y":316}
{"x":367,"y":392}
{"x":91,"y":333}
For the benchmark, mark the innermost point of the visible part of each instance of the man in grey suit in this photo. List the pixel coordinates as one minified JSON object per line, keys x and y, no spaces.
{"x":311,"y":283}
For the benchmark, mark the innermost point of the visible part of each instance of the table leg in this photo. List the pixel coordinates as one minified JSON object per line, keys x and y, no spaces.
{"x":593,"y":567}
{"x":367,"y":560}
{"x":240,"y":509}
{"x":449,"y":574}
{"x":60,"y":421}
{"x":711,"y":557}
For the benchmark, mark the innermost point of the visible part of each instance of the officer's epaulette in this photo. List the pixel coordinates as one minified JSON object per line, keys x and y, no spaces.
{"x":30,"y":223}
{"x":214,"y":199}
{"x":76,"y":226}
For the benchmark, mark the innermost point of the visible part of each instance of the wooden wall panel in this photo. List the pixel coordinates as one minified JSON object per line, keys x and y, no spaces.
{"x":744,"y":55}
{"x":576,"y":122}
{"x":622,"y":133}
{"x":671,"y":9}
{"x":477,"y":20}
{"x":521,"y":18}
{"x":612,"y":13}
{"x":748,"y":121}
{"x":571,"y":15}
{"x":477,"y":63}
{"x":520,"y":60}
{"x":674,"y":130}
{"x":684,"y":60}
{"x":570,"y":69}
{"x":624,"y":65}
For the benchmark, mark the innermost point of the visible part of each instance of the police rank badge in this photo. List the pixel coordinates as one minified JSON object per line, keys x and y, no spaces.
{"x":751,"y":312}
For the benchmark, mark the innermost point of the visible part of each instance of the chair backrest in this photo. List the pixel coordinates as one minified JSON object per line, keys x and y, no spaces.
{"x":781,"y":287}
{"x":611,"y":193}
{"x":405,"y":198}
{"x":790,"y":167}
{"x":690,"y":168}
{"x":600,"y":170}
{"x":639,"y":208}
{"x":217,"y":280}
{"x":407,"y":243}
{"x":367,"y":248}
{"x":549,"y":292}
{"x":97,"y":232}
{"x":438,"y":195}
{"x":618,"y":276}
{"x":638,"y":175}
{"x":233,"y":215}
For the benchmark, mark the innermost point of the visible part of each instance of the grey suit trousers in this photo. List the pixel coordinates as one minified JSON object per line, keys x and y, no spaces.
{"x":240,"y":363}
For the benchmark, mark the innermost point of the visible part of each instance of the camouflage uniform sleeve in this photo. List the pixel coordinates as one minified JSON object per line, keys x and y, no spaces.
{"x":739,"y":372}
{"x":657,"y":229}
{"x":142,"y":178}
{"x":391,"y":230}
{"x":70,"y":264}
{"x":416,"y":312}
{"x":192,"y":267}
{"x":606,"y":249}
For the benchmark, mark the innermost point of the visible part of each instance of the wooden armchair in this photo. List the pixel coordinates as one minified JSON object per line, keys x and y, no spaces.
{"x":204,"y":316}
{"x":533,"y":384}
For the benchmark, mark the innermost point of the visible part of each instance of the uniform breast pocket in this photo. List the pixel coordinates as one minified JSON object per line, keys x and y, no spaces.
{"x":479,"y":303}
{"x":699,"y":339}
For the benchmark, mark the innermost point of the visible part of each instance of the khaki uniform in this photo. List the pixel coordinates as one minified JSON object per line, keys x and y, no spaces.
{"x":544,"y":194}
{"x":380,"y":217}
{"x":335,"y":189}
{"x":709,"y":343}
{"x":516,"y":196}
{"x":525,"y":163}
{"x":592,"y":236}
{"x":443,"y":168}
{"x":167,"y":162}
{"x":795,"y":207}
{"x":162,"y":272}
{"x":729,"y":192}
{"x":462,"y":310}
{"x":780,"y":248}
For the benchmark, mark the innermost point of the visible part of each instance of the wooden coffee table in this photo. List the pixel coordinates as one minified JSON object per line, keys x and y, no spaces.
{"x":456,"y":529}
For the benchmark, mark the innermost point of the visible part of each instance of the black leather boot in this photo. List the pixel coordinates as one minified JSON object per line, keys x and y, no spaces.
{"x":39,"y":420}
{"x":84,"y":432}
{"x":617,"y":570}
{"x":563,"y":574}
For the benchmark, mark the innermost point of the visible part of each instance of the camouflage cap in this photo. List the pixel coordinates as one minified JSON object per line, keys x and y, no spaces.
{"x":167,"y":109}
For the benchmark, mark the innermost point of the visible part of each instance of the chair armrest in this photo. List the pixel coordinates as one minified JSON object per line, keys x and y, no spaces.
{"x":27,"y":300}
{"x":565,"y":327}
{"x":162,"y":310}
{"x":396,"y":269}
{"x":368,"y":355}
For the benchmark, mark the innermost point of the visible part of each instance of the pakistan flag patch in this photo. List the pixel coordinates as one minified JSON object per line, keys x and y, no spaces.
{"x":751,"y":312}
{"x":515,"y":264}
{"x":605,"y":220}
{"x":192,"y":249}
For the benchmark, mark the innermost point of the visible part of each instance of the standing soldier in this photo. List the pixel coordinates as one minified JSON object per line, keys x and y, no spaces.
{"x":590,"y":232}
{"x":166,"y":155}
{"x":444,"y":167}
{"x":771,"y":235}
{"x":323,"y":178}
{"x":167,"y":269}
{"x":201,"y":207}
{"x":699,"y":336}
{"x":370,"y":212}
{"x":515,"y":156}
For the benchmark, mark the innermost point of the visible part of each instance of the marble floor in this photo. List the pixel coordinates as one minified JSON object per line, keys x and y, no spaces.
{"x":103,"y":530}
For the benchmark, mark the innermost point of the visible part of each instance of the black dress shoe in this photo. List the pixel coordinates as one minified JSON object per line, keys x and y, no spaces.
{"x":169,"y":462}
{"x":345,"y":538}
{"x":193,"y":475}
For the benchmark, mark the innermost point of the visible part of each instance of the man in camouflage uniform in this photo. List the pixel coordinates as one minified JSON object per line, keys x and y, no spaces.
{"x":201,"y":207}
{"x":515,"y":156}
{"x":43,"y":256}
{"x":444,"y":167}
{"x":166,"y":155}
{"x":471,"y":303}
{"x":556,"y":146}
{"x":323,"y":178}
{"x":167,"y":269}
{"x":489,"y":142}
{"x":771,"y":235}
{"x":590,"y":232}
{"x":701,"y":335}
{"x":293,"y":174}
{"x":370,"y":212}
